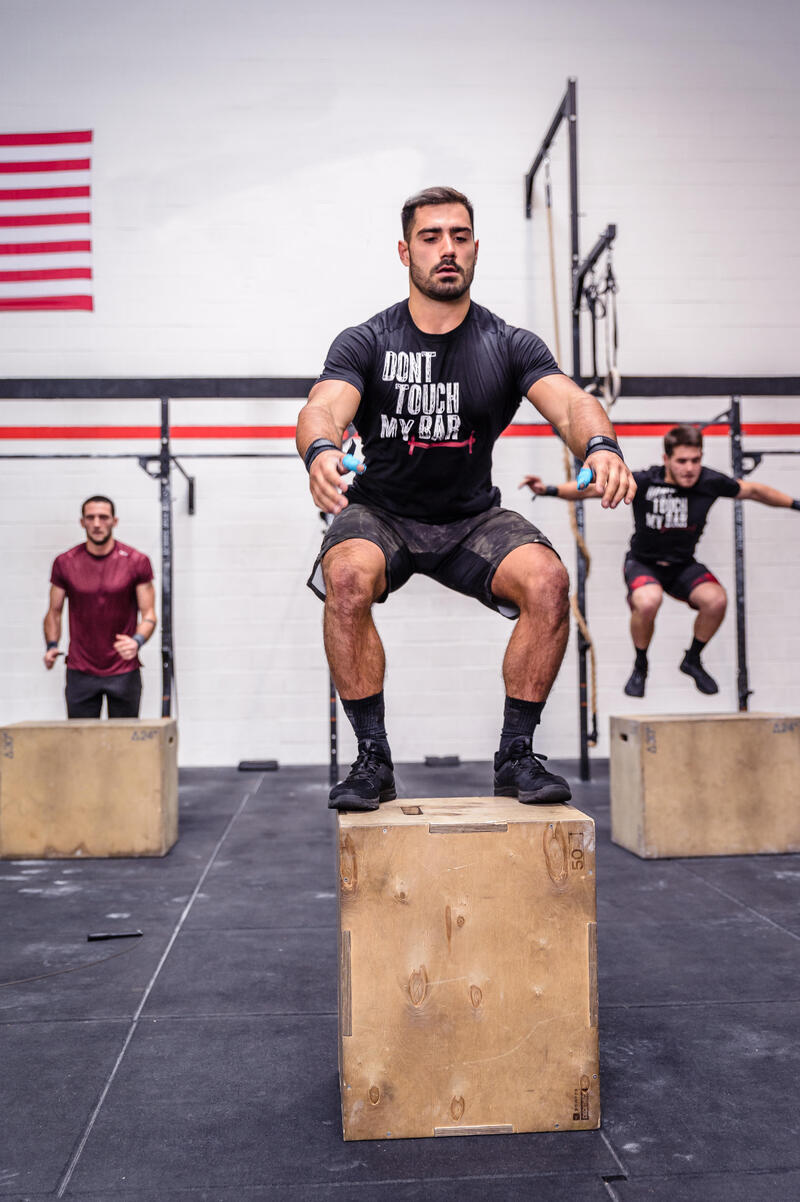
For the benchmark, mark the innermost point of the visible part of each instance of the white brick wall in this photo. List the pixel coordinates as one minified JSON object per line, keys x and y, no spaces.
{"x":252,"y":680}
{"x":249,"y":164}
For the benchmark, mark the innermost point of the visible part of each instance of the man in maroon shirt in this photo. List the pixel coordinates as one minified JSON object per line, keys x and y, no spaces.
{"x":108,"y":585}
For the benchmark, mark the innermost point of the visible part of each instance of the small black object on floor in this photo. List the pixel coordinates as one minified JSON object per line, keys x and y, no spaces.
{"x":198,"y":1062}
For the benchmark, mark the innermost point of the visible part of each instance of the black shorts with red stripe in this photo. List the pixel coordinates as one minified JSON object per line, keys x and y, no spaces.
{"x":677,"y":579}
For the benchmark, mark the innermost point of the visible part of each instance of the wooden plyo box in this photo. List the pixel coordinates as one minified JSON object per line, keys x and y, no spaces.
{"x":706,"y":785}
{"x":468,"y":969}
{"x":88,"y":787}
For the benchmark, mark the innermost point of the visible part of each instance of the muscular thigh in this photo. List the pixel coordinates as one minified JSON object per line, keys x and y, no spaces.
{"x":646,"y":584}
{"x":646,"y":598}
{"x":695,"y":583}
{"x":708,"y":596}
{"x":526,"y":571}
{"x":473,"y":564}
{"x":355,"y":562}
{"x":363,"y":538}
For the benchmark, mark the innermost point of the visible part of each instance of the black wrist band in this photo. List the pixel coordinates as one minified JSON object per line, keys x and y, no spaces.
{"x":316,"y":448}
{"x":551,"y":490}
{"x":795,"y":505}
{"x":601,"y":442}
{"x":50,"y":644}
{"x":140,"y":640}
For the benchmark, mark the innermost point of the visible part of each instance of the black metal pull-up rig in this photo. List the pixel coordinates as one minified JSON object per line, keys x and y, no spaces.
{"x":742,"y":462}
{"x":567,"y":111}
{"x":158,"y":467}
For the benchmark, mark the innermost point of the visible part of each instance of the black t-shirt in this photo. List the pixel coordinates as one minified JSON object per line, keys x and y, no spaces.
{"x":432,"y":407}
{"x":669,"y":519}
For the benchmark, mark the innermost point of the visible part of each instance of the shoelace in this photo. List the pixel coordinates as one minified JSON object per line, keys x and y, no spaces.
{"x":367,"y":759}
{"x":523,"y":753}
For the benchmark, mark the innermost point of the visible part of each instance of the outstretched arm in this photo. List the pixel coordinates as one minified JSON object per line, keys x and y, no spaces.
{"x":753,"y":490}
{"x":567,"y":491}
{"x":579,"y":417}
{"x":331,"y":406}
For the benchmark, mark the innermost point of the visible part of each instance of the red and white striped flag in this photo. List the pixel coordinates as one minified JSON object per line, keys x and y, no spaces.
{"x":45,"y":240}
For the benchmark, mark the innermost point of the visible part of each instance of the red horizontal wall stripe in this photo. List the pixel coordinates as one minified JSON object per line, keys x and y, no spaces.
{"x":632,"y":430}
{"x":232,"y":431}
{"x":29,"y":166}
{"x":44,"y":193}
{"x":784,"y":428}
{"x":46,"y":302}
{"x":46,"y":219}
{"x":42,"y":248}
{"x":775,"y":429}
{"x":50,"y":139}
{"x":522,"y":431}
{"x":629,"y":428}
{"x":55,"y":273}
{"x":659,"y":429}
{"x":93,"y":432}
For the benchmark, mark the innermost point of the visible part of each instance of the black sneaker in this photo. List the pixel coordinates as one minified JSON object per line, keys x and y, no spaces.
{"x":369,"y":781}
{"x":519,"y":773}
{"x":704,"y":682}
{"x":635,"y":683}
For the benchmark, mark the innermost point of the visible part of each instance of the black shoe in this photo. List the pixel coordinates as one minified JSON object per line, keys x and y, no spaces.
{"x":519,"y":773}
{"x":369,"y":781}
{"x":636,"y":682}
{"x":704,"y":682}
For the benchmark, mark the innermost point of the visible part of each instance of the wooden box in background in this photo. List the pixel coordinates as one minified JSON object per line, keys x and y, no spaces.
{"x":468,"y":991}
{"x":88,"y":787}
{"x":705,"y":785}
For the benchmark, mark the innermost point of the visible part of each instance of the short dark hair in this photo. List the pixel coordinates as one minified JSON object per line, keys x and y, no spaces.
{"x":432,"y":196}
{"x":683,"y":436}
{"x":105,"y":500}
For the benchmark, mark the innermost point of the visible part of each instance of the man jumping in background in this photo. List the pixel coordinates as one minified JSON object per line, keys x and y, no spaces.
{"x":669,"y":514}
{"x":430,"y":384}
{"x":108,"y":585}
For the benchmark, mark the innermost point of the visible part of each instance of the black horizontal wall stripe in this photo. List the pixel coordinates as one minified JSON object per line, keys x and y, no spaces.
{"x":282,"y":387}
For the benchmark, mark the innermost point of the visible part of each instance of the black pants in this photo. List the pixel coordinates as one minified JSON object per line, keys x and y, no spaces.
{"x":84,"y":694}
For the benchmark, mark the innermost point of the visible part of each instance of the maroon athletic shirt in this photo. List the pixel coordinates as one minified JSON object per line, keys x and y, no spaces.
{"x":101,"y":591}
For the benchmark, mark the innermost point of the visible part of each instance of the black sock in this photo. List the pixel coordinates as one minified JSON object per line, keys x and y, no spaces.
{"x":519,"y":718}
{"x":641,"y":660}
{"x":366,"y":716}
{"x":694,"y":651}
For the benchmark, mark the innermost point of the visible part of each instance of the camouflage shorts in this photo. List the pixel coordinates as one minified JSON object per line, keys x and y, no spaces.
{"x":462,"y":555}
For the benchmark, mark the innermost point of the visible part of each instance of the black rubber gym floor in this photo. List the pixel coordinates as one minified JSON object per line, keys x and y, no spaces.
{"x":199,"y":1062}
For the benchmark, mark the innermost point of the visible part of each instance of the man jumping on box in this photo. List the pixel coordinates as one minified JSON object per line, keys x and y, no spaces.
{"x":109,"y":587}
{"x":669,"y":515}
{"x":430,"y":385}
